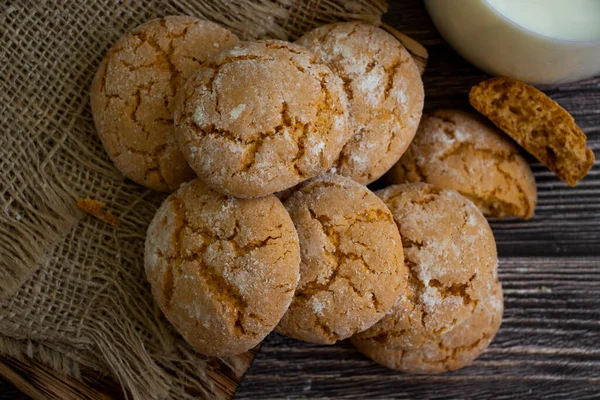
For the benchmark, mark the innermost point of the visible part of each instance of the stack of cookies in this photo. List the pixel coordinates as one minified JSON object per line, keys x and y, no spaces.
{"x":267,"y":147}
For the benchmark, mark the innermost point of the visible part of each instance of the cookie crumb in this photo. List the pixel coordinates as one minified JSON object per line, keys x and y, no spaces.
{"x":97,"y":209}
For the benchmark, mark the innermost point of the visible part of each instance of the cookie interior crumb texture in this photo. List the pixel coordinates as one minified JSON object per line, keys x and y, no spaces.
{"x":262,"y":117}
{"x":352,"y":267}
{"x":462,"y":151}
{"x":131,"y":95}
{"x":222,"y":270}
{"x":450,"y":351}
{"x":537,"y":123}
{"x":450,"y":253}
{"x":385,"y":91}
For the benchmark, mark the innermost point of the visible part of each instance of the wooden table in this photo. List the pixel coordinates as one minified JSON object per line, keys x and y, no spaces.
{"x":549,"y":343}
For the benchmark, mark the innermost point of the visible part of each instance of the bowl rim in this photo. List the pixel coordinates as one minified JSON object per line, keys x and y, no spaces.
{"x":486,"y":3}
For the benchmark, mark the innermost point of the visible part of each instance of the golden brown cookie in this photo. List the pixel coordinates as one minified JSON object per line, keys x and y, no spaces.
{"x":385,"y":90}
{"x":352,"y":265}
{"x":262,"y":117}
{"x":448,"y":352}
{"x":222,"y":270}
{"x":537,"y":123}
{"x":450,"y":252}
{"x":463,"y":152}
{"x":132,"y":91}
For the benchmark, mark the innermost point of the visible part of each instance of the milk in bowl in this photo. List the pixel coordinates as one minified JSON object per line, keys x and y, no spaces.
{"x":538,"y":41}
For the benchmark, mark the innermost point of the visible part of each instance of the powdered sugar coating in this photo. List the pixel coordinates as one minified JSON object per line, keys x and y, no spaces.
{"x":450,"y":351}
{"x":463,"y":152}
{"x":385,"y":91}
{"x":352,"y":263}
{"x":131,"y":95}
{"x":450,"y":252}
{"x":223,"y":270}
{"x":262,"y":117}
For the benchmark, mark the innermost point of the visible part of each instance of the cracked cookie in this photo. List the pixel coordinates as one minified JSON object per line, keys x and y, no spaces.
{"x":450,"y":351}
{"x":537,"y":123}
{"x":450,"y":253}
{"x":131,"y":96}
{"x":352,"y":267}
{"x":261,"y":117}
{"x":463,"y":152}
{"x":385,"y":91}
{"x":222,"y":270}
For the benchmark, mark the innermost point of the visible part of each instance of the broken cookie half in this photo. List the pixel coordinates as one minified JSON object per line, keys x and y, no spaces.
{"x":537,"y":123}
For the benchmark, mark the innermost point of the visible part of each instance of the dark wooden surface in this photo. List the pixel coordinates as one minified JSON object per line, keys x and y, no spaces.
{"x":549,"y":343}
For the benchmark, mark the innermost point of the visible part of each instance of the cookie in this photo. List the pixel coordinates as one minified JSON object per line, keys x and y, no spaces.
{"x":352,"y":267}
{"x":222,"y":270}
{"x":537,"y":123}
{"x":463,"y":152}
{"x":450,"y":253}
{"x":131,"y":96}
{"x":452,"y":350}
{"x":261,"y":117}
{"x":385,"y":90}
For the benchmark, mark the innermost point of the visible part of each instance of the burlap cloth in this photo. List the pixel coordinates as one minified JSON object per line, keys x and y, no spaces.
{"x":72,"y":288}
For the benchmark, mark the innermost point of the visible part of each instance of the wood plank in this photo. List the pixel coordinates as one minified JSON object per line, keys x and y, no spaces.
{"x":548,"y":343}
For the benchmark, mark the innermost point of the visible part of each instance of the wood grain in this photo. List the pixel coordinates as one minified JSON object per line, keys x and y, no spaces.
{"x":549,"y":343}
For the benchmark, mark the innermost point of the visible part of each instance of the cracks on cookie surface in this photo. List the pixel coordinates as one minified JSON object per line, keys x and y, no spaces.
{"x":326,"y":330}
{"x":384,"y":337}
{"x":215,"y":283}
{"x":417,"y":289}
{"x":161,"y":60}
{"x":414,"y":249}
{"x":456,"y":289}
{"x":451,"y":353}
{"x":164,"y":57}
{"x":390,"y":73}
{"x":493,"y":200}
{"x":390,"y":69}
{"x":137,"y":100}
{"x":212,"y":130}
{"x":340,"y":257}
{"x":428,"y":194}
{"x":300,"y":133}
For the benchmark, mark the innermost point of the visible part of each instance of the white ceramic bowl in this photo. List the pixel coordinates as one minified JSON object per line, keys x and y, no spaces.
{"x":499,"y":46}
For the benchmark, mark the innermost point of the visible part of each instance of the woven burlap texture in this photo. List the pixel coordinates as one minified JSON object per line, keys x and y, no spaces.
{"x":72,"y":288}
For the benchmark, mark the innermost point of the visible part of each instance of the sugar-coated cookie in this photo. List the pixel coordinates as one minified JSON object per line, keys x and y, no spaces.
{"x":450,"y":253}
{"x":132,"y":91}
{"x":262,"y":117}
{"x":352,"y":267}
{"x":537,"y":123}
{"x":223,"y":270}
{"x":448,"y":352}
{"x":385,"y":91}
{"x":463,"y":152}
